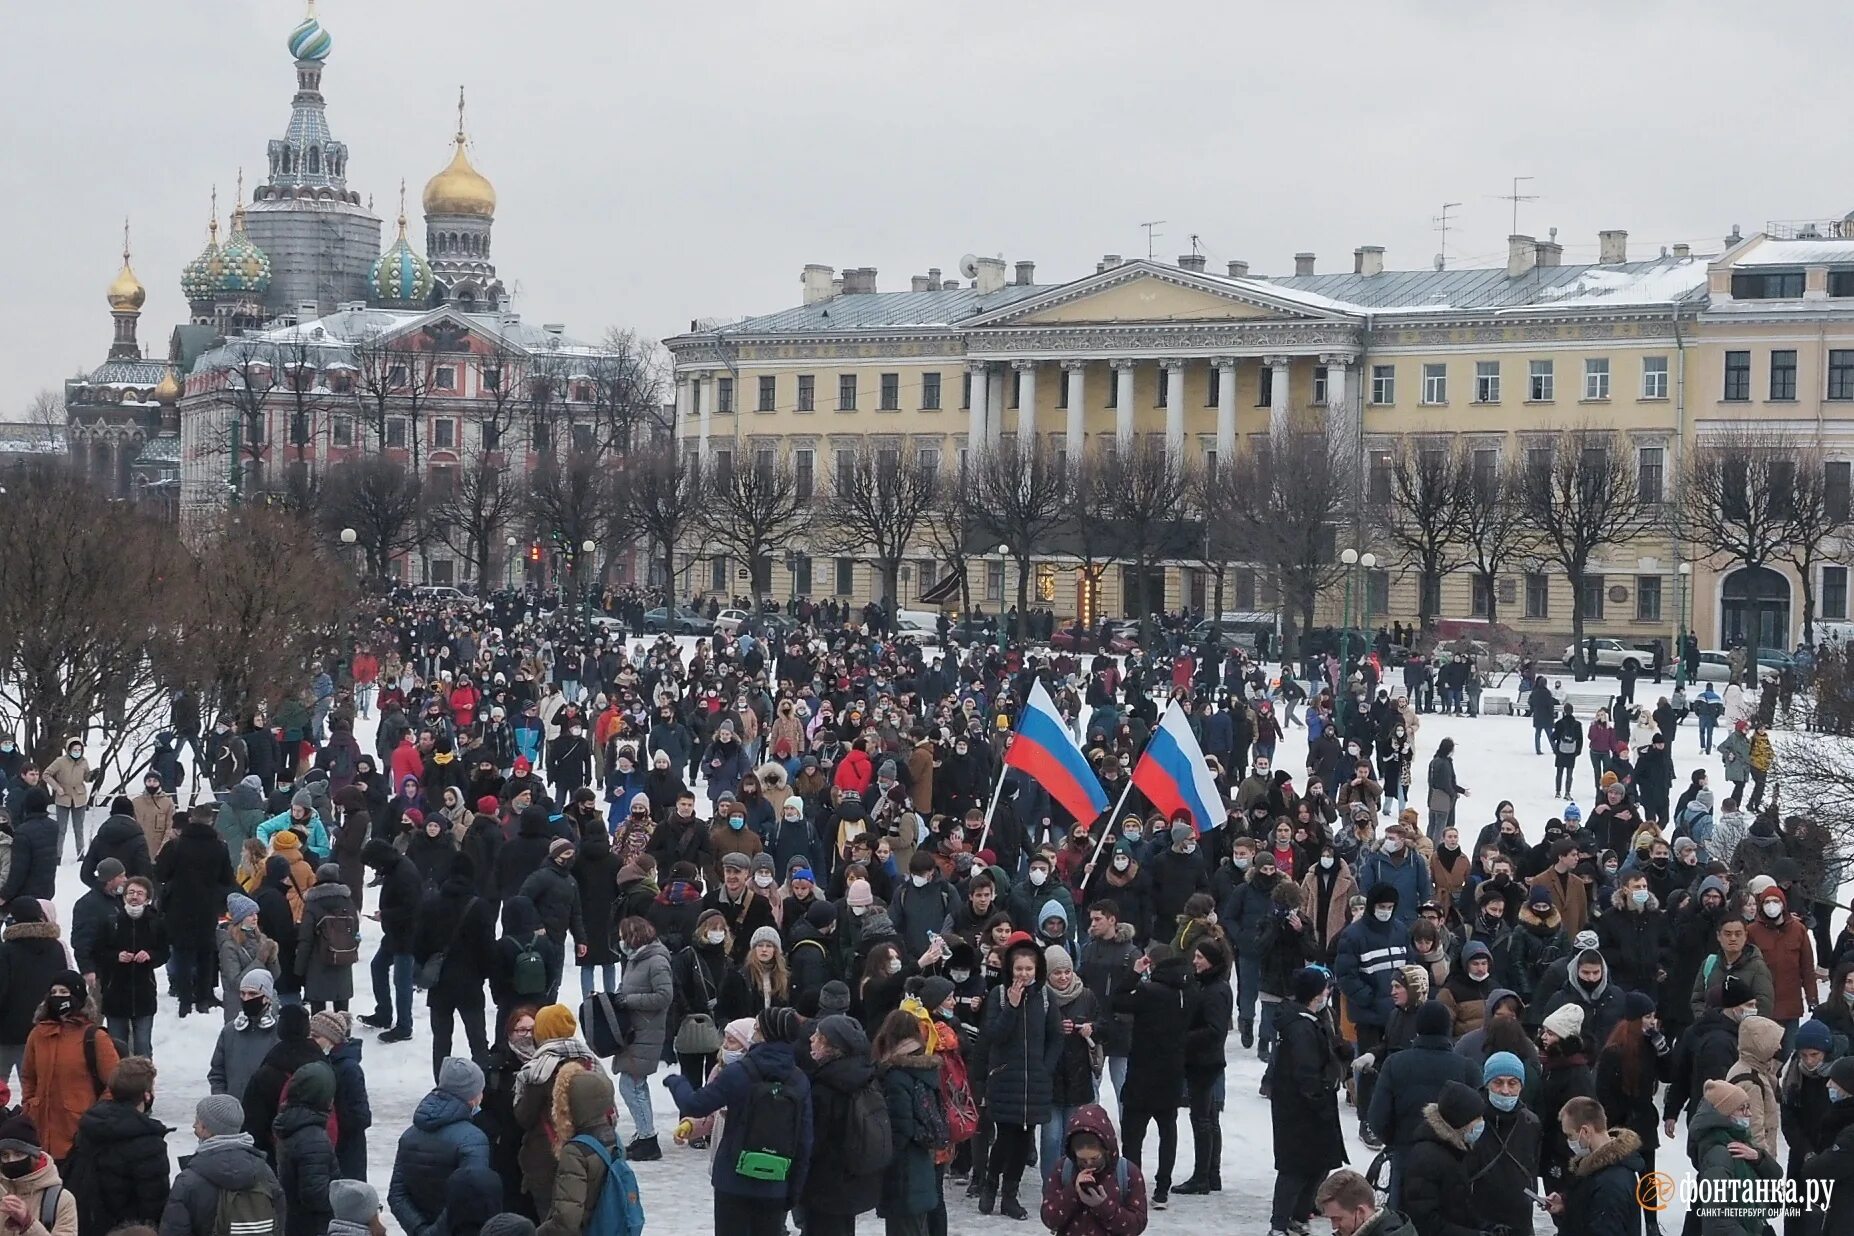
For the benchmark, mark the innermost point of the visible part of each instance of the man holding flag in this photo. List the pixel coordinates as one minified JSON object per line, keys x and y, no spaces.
{"x":1175,"y":779}
{"x":1045,"y":751}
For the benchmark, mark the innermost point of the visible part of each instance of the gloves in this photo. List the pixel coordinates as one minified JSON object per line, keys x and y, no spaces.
{"x":1365,"y":1063}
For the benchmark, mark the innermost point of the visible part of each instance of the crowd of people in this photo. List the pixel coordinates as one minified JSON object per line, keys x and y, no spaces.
{"x":877,"y":970}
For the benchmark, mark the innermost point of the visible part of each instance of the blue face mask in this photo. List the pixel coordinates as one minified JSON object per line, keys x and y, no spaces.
{"x":1639,"y":897}
{"x":736,"y":821}
{"x":1835,"y":1093}
{"x":1473,"y":1132}
{"x":1503,"y":1102}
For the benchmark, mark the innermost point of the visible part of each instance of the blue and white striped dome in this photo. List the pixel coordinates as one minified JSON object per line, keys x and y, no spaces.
{"x":401,"y":276}
{"x":309,"y":41}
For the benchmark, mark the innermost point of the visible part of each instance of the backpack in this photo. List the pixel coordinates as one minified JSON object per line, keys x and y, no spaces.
{"x":607,"y":1026}
{"x":769,"y":1127}
{"x":618,"y":1210}
{"x":530,"y":974}
{"x":337,"y":938}
{"x":244,"y":1212}
{"x":868,"y":1138}
{"x":961,"y":1110}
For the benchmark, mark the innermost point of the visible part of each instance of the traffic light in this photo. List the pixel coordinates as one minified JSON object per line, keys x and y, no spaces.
{"x":534,"y":552}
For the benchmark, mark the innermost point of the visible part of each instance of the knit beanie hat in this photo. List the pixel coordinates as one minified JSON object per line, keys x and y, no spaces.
{"x":330,"y":1025}
{"x":858,"y":893}
{"x":1433,"y":1018}
{"x":1637,"y":1004}
{"x":763,"y":862}
{"x":353,"y":1201}
{"x":778,"y":1025}
{"x":1734,"y":991}
{"x":1815,"y":1035}
{"x":1055,"y":957}
{"x":935,"y":989}
{"x":554,"y":1022}
{"x":220,"y":1115}
{"x":821,"y":914}
{"x":1841,"y":1072}
{"x":239,"y":907}
{"x":1539,"y":895}
{"x":1460,"y":1105}
{"x":833,"y":997}
{"x":844,"y":1033}
{"x":1566,"y":1021}
{"x":460,"y":1078}
{"x":507,"y":1225}
{"x":1502,"y":1064}
{"x":765,"y":935}
{"x":328,"y":873}
{"x":258,"y":979}
{"x":557,"y":847}
{"x":1726,"y":1098}
{"x":1307,"y":984}
{"x":109,"y":869}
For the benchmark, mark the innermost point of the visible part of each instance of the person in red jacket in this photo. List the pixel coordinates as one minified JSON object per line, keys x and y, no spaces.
{"x":366,"y":674}
{"x":1789,"y":953}
{"x":854,"y":770}
{"x":407,"y":761}
{"x":1093,"y":1190}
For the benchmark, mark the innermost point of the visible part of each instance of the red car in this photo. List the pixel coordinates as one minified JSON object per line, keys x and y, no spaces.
{"x":1121,"y":638}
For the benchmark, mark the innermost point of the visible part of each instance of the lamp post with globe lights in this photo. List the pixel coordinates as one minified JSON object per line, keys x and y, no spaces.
{"x":587,"y":548}
{"x":509,"y":569}
{"x":1685,"y":574}
{"x":1353,"y":560}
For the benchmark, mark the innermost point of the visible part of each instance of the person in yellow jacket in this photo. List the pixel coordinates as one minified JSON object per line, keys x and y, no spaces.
{"x":68,"y":776}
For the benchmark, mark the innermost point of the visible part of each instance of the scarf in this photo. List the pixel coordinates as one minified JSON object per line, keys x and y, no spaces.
{"x":1074,"y":991}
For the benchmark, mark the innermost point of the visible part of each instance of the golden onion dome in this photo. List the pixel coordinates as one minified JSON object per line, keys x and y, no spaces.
{"x":168,"y":389}
{"x":126,"y":294}
{"x":460,"y":189}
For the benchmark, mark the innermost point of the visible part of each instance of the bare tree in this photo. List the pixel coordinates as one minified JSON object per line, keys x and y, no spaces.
{"x":1290,"y":496}
{"x":395,"y":380}
{"x":1818,"y":519}
{"x":1495,"y":531}
{"x":1736,"y":505}
{"x":951,"y":528}
{"x":1018,"y":492}
{"x":1144,"y":491}
{"x":1087,"y":517}
{"x":546,"y":390}
{"x":382,"y":500}
{"x":1583,"y":496}
{"x":45,"y":412}
{"x":880,"y":498}
{"x":626,"y":384}
{"x":752,"y":511}
{"x":1423,"y":520}
{"x":572,"y":499}
{"x":476,"y":506}
{"x":250,"y":389}
{"x":658,"y":498}
{"x":1813,"y":772}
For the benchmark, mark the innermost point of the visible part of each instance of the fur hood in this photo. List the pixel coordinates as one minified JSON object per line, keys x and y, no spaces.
{"x":919,"y":1061}
{"x":560,"y":1125}
{"x":1550,"y":922}
{"x":1444,"y":1133}
{"x":1622,"y":1144}
{"x":1619,"y":900}
{"x":31,"y":931}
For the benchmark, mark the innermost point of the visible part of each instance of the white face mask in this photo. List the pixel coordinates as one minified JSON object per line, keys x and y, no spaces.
{"x":134,"y":911}
{"x":918,"y":880}
{"x":715,"y":937}
{"x":859,"y":911}
{"x":1037,"y":876}
{"x":1773,"y":909}
{"x":1326,"y":861}
{"x":730,"y":1057}
{"x":1122,"y":862}
{"x":894,"y":965}
{"x":1383,"y":913}
{"x":1393,"y":845}
{"x":959,"y":976}
{"x":764,"y":879}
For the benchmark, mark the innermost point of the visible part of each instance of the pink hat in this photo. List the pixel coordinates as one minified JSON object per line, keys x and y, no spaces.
{"x":859,"y":894}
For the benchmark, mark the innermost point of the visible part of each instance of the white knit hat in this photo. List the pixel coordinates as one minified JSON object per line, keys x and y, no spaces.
{"x":1566,"y":1021}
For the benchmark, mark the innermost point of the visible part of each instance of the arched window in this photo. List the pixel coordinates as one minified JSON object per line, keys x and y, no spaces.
{"x":315,"y":158}
{"x":1756,"y":600}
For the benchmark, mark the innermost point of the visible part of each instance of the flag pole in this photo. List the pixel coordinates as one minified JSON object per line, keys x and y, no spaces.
{"x":1106,"y":831}
{"x":997,"y":790}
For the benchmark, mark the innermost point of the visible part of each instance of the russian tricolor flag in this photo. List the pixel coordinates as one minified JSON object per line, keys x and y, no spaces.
{"x":1173,"y":776}
{"x":1047,"y":752}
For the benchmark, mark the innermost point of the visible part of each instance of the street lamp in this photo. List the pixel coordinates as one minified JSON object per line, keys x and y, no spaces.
{"x":586,"y":549}
{"x":1004,"y":554}
{"x":1352,"y":560}
{"x":1685,"y":572}
{"x":509,"y":569}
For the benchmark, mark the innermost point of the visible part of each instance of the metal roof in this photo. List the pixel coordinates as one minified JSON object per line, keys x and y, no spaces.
{"x":122,"y":372}
{"x":1659,"y":281}
{"x":883,"y":311}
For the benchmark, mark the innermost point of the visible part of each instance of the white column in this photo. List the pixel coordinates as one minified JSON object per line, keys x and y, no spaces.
{"x":1338,"y":408}
{"x":683,"y":408}
{"x":1026,"y":401}
{"x":1278,"y":393}
{"x":975,"y":418}
{"x":1076,"y":438}
{"x":994,"y":407}
{"x":1226,"y":410}
{"x":704,"y":418}
{"x":1123,"y":404}
{"x":1174,"y":408}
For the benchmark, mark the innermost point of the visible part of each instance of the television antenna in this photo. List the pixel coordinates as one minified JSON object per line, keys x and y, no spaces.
{"x":1443,"y":223}
{"x":1516,"y":197}
{"x":1151,"y":235}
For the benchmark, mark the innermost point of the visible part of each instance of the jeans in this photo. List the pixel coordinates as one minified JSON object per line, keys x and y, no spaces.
{"x":440,"y":1011}
{"x":134,"y":1035}
{"x":363,"y":697}
{"x":399,"y":966}
{"x":1248,"y":986}
{"x":588,"y":973}
{"x":1706,"y":727}
{"x":1265,"y":1031}
{"x":1133,"y":1138}
{"x":1293,"y":1199}
{"x":71,"y":818}
{"x":1050,"y":1143}
{"x":1117,"y":1074}
{"x":194,"y":972}
{"x":635,"y":1091}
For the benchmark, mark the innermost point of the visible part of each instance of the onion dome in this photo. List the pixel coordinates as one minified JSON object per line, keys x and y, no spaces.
{"x":309,"y":41}
{"x":401,"y":276}
{"x":460,"y":189}
{"x":168,"y":390}
{"x":200,"y":277}
{"x":126,"y":294}
{"x":243,"y":266}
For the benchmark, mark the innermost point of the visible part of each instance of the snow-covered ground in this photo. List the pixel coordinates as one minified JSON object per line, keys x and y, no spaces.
{"x":1494,"y":759}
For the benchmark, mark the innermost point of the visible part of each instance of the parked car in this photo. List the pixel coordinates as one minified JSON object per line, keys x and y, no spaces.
{"x":437,"y":592}
{"x":728,"y":620}
{"x":1611,"y":655}
{"x":683,"y":622}
{"x":1122,"y":635}
{"x":1715,"y":666}
{"x":1236,"y":627}
{"x":971,"y":630}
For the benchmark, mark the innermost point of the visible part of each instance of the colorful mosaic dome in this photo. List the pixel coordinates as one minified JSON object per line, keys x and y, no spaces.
{"x":309,"y":41}
{"x":243,"y":266}
{"x":200,"y":277}
{"x":400,"y":276}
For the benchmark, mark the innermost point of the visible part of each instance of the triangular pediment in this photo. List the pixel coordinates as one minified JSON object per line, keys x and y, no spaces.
{"x":1153,"y":292}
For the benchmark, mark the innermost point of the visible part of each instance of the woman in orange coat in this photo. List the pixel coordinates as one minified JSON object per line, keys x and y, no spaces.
{"x":68,"y":1056}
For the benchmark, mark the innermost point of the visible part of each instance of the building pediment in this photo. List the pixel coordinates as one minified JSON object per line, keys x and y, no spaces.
{"x":1150,"y":292}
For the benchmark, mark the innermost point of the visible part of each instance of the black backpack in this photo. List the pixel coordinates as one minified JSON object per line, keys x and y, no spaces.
{"x":338,"y":937}
{"x":868,"y":1136}
{"x":769,"y":1127}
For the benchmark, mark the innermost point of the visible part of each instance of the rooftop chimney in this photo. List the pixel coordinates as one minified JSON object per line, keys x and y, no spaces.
{"x":1192,"y":261}
{"x":1238,"y":269}
{"x":1026,"y":274}
{"x":1737,"y":237}
{"x":858,"y":280}
{"x":1683,"y":251}
{"x":1612,"y":246}
{"x":836,"y":286}
{"x":933,"y":278}
{"x":951,"y":285}
{"x":990,"y":275}
{"x":817,"y":281}
{"x":1303,"y":264}
{"x":1522,"y":254}
{"x":1550,"y":252}
{"x":1368,"y":260}
{"x":917,"y":283}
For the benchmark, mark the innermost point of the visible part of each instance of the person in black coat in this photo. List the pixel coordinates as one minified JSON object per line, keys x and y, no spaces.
{"x":1204,"y":1063}
{"x":194,"y":872}
{"x":31,"y":959}
{"x":277,"y":920}
{"x":1435,"y":1195}
{"x":554,"y":894}
{"x":839,"y":1067}
{"x":1304,"y":1076}
{"x":1022,"y":1036}
{"x":306,"y":1164}
{"x":595,"y":874}
{"x":1162,"y":1008}
{"x":525,"y":853}
{"x":120,"y":837}
{"x":118,"y":1168}
{"x":811,"y":958}
{"x":34,"y":872}
{"x":263,"y":755}
{"x":432,"y":851}
{"x":129,"y":989}
{"x":1836,"y":1164}
{"x":400,"y":894}
{"x":1601,"y":1191}
{"x":521,"y":931}
{"x":263,"y":1095}
{"x":1411,"y":1079}
{"x":459,"y":927}
{"x":482,"y":846}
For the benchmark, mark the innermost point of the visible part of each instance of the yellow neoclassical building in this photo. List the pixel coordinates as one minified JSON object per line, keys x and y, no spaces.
{"x":1660,"y":349}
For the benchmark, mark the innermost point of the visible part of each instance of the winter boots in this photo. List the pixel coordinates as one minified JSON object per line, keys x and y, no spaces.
{"x":644,"y":1150}
{"x":1247,"y":1026}
{"x":1206,"y":1157}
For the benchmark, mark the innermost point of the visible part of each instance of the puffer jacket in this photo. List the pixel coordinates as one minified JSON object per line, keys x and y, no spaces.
{"x":323,"y":980}
{"x":31,"y":958}
{"x":910,"y":1186}
{"x":580,"y":1179}
{"x":119,"y":1167}
{"x":305,"y":1168}
{"x":645,"y":991}
{"x":31,"y":1189}
{"x":1022,"y":1046}
{"x":831,"y":1188}
{"x":228,"y":1164}
{"x":441,"y":1142}
{"x":119,"y":837}
{"x":1124,"y":1211}
{"x":1436,"y":1194}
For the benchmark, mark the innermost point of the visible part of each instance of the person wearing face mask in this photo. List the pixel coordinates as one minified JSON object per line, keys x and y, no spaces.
{"x":1325,"y":892}
{"x":118,"y":1165}
{"x":1123,"y":879}
{"x":1395,"y":863}
{"x":1599,"y":1196}
{"x":248,"y":1035}
{"x":129,"y":954}
{"x":1039,"y":886}
{"x":1720,"y":1143}
{"x":68,"y":778}
{"x":1436,"y":1194}
{"x":1706,"y":1051}
{"x":1789,"y":954}
{"x":1177,"y":872}
{"x":744,"y":906}
{"x":924,"y":904}
{"x":1303,"y":1084}
{"x":1369,"y":953}
{"x":30,"y":1183}
{"x":442,"y":1140}
{"x":730,"y":835}
{"x":708,"y":986}
{"x":59,"y":1082}
{"x":1504,"y":1164}
{"x":1808,"y":1114}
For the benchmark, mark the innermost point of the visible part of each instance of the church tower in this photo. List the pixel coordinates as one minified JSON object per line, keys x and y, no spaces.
{"x":126,"y":297}
{"x":460,"y":212}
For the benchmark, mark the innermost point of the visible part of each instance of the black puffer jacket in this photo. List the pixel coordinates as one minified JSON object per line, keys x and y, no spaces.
{"x":1436,"y":1196}
{"x":119,"y":837}
{"x":1162,"y":1009}
{"x":1210,"y":1026}
{"x":525,"y":854}
{"x":831,"y":1188}
{"x":556,"y":900}
{"x":34,"y":872}
{"x":222,"y":1165}
{"x":400,"y":893}
{"x":461,"y":925}
{"x":31,"y":958}
{"x":194,"y":871}
{"x":305,"y":1168}
{"x":1022,"y":1045}
{"x":119,"y":1167}
{"x":595,"y":875}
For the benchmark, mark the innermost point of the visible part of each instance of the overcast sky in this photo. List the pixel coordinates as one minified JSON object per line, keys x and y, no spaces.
{"x":658,"y":162}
